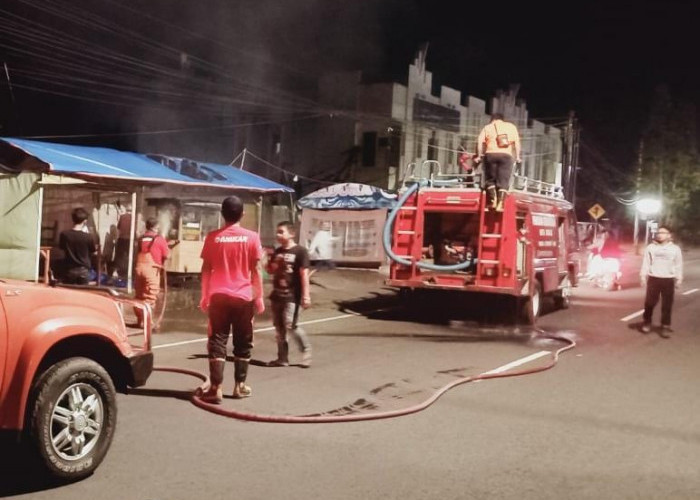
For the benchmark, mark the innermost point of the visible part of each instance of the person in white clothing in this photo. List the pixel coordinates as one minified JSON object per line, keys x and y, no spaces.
{"x":662,"y":272}
{"x":321,"y":248}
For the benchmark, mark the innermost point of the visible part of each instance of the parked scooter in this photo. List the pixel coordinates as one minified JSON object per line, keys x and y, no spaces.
{"x":607,"y":273}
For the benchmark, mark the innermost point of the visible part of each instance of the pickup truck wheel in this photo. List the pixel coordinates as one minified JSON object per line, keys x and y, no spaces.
{"x":74,"y":417}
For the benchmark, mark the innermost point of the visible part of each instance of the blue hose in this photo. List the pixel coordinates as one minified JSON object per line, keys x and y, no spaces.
{"x":386,"y":237}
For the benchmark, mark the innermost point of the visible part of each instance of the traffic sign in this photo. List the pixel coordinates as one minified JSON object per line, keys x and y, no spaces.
{"x":596,"y":211}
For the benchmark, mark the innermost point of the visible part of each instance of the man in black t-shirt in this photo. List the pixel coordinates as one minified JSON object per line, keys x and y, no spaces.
{"x":78,"y":248}
{"x":289,"y":266}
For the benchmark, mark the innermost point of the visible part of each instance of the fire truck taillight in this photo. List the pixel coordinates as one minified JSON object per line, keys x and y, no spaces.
{"x":490,"y":272}
{"x":506,"y":272}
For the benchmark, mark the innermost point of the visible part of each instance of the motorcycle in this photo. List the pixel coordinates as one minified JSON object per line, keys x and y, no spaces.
{"x":606,"y":273}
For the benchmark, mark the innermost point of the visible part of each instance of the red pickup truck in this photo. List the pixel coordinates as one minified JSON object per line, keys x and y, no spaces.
{"x":64,"y":352}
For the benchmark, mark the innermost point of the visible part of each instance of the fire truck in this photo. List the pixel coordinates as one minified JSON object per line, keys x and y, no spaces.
{"x":442,"y":236}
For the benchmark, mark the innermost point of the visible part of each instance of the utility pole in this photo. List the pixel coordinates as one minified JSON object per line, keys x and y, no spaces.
{"x":636,"y":196}
{"x":568,"y":158}
{"x":576,"y":137}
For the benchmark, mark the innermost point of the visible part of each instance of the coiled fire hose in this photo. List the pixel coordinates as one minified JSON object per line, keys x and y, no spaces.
{"x":319,"y":418}
{"x":388,"y":227}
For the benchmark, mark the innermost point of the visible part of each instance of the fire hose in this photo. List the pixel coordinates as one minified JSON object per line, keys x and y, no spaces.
{"x":318,"y":418}
{"x":388,"y":227}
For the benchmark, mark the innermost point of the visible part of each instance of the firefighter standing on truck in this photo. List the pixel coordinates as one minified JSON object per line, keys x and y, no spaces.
{"x":498,"y":146}
{"x":152,"y":252}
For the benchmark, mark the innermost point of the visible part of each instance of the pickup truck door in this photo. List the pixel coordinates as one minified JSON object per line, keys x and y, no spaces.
{"x":3,"y":336}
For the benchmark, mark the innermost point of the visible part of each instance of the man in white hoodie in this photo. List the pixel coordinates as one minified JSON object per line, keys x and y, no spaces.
{"x":662,"y":272}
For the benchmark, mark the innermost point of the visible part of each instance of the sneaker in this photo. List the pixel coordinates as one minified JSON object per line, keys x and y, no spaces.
{"x":306,"y":359}
{"x":212,"y":395}
{"x":278,"y":362}
{"x":646,"y":328}
{"x":666,"y":331}
{"x":240,"y":390}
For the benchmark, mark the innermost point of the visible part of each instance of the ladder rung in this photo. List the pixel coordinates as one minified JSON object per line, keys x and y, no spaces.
{"x":408,"y":208}
{"x":491,"y":235}
{"x":484,"y":261}
{"x":405,"y":232}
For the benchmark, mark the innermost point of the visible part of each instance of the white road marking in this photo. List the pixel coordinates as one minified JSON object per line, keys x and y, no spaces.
{"x":518,"y":362}
{"x":258,"y":330}
{"x":633,"y":315}
{"x":641,"y":311}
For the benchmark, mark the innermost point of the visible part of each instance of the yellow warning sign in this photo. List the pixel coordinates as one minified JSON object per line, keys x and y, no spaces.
{"x":596,"y":211}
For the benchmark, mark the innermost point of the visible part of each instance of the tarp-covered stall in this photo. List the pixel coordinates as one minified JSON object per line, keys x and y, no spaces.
{"x":42,"y":182}
{"x":20,"y":202}
{"x":356,"y":214}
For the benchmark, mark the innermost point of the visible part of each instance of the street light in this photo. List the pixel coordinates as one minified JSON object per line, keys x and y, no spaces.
{"x":647,"y":207}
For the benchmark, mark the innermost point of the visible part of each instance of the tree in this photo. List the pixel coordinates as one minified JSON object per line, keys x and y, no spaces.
{"x":670,"y":163}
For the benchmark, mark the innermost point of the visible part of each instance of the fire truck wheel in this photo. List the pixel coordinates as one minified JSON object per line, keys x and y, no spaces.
{"x":562,"y":298}
{"x":73,"y":417}
{"x":530,"y":306}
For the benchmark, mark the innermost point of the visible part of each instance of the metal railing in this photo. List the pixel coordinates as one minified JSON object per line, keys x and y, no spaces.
{"x":431,"y":171}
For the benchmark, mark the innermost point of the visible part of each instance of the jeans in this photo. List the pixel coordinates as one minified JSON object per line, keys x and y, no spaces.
{"x":228,"y":313}
{"x":285,"y":316}
{"x":656,"y":287}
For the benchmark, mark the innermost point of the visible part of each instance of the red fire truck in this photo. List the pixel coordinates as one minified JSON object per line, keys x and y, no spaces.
{"x":441,"y":236}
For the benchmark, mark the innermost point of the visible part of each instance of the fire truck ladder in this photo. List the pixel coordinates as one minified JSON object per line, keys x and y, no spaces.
{"x":490,"y":244}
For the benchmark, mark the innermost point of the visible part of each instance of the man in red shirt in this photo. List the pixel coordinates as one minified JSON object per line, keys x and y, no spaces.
{"x":232,"y":292}
{"x":151,"y":255}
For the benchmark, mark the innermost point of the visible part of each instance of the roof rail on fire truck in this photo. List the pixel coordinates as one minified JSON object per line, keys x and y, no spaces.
{"x":527,"y":185}
{"x":436,"y":178}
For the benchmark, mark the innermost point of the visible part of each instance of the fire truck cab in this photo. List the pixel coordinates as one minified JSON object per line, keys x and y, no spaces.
{"x":442,"y":236}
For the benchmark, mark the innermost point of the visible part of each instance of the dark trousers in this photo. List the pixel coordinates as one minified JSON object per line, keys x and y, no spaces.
{"x":228,"y":313}
{"x":656,"y":287}
{"x":498,"y":167}
{"x":121,"y":257}
{"x":76,"y":276}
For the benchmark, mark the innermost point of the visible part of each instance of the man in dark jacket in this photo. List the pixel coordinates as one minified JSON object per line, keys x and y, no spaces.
{"x":79,"y":248}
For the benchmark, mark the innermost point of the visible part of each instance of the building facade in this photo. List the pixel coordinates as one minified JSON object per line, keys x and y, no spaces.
{"x":370,"y":132}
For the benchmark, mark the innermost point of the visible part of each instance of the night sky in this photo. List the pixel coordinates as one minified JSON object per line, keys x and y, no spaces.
{"x":121,"y":58}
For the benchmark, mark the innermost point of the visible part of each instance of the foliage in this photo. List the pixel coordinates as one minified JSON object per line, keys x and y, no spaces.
{"x":671,"y":162}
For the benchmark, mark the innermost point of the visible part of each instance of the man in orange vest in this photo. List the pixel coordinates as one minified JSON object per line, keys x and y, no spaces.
{"x":498,"y":146}
{"x":152,"y":252}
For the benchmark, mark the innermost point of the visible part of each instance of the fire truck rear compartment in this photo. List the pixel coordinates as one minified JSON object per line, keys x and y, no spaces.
{"x":450,"y":238}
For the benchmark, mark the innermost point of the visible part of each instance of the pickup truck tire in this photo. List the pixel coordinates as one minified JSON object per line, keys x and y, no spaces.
{"x":73,"y":418}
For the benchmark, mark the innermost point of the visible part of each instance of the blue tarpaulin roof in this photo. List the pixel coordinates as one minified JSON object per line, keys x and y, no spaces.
{"x":215,"y":173}
{"x":104,"y":163}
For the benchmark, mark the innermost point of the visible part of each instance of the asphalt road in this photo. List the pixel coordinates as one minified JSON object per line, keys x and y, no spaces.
{"x":617,"y":417}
